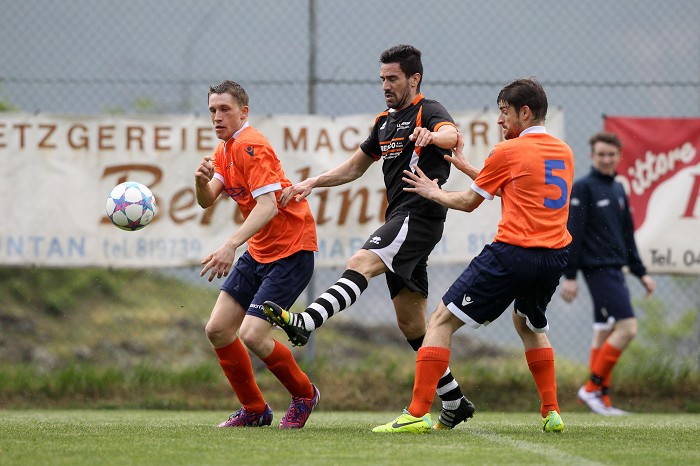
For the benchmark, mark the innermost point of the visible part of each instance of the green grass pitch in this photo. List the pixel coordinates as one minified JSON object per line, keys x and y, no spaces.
{"x":145,"y":437}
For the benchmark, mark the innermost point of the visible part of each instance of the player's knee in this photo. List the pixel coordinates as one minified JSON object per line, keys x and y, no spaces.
{"x":250,"y":337}
{"x":630,"y":333}
{"x":411,"y":329}
{"x":365,"y":262}
{"x":215,"y":334}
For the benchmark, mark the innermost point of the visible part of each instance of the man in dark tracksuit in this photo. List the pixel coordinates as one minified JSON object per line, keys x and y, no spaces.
{"x":601,"y":225}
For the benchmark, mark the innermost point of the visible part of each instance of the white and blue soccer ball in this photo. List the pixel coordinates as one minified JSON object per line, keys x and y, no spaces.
{"x":131,"y":206}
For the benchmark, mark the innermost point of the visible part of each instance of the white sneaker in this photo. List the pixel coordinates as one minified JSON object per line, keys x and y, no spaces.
{"x":593,"y":401}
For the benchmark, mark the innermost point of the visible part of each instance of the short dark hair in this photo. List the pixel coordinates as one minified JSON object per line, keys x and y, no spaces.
{"x":408,"y":58}
{"x":233,"y":88}
{"x":608,"y":138}
{"x":522,"y":92}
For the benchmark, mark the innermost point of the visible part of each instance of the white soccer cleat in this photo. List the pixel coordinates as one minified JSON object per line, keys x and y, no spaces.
{"x":594,"y":401}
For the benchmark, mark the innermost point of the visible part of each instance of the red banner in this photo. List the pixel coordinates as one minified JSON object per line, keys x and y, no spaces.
{"x":660,"y":169}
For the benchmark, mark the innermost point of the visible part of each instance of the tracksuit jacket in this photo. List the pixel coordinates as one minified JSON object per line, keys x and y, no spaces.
{"x":601,"y":225}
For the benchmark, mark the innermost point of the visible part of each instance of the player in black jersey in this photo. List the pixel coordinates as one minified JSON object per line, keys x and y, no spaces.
{"x":412,"y":131}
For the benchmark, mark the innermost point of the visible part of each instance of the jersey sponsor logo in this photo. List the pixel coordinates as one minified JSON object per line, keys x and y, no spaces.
{"x":236,"y":193}
{"x":403,"y":125}
{"x":603,"y":203}
{"x":249,"y":151}
{"x":393,"y":145}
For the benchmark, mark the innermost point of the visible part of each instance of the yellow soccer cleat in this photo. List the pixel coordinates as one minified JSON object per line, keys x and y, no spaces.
{"x":408,"y":423}
{"x":552,"y":423}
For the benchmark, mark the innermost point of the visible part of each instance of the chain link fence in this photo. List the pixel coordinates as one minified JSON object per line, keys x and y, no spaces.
{"x":630,"y":57}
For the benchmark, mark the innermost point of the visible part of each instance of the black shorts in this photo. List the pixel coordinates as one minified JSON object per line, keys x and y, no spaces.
{"x":404,"y":243}
{"x":611,"y":298}
{"x":503,"y":273}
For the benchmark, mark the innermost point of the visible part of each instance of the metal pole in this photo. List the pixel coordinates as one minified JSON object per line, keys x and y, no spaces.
{"x":311,"y":93}
{"x":311,"y":82}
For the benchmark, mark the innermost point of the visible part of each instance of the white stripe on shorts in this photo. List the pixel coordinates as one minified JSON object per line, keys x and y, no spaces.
{"x":386,"y":254}
{"x":464,"y":317}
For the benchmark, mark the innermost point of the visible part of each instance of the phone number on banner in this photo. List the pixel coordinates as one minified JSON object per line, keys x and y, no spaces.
{"x":152,"y":248}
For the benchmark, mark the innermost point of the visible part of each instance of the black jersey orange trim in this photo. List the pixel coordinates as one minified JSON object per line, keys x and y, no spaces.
{"x":443,"y":123}
{"x":376,"y":119}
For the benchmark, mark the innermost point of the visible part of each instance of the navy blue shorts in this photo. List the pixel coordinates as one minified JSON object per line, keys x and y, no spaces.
{"x":611,"y":298}
{"x":503,"y":273}
{"x":251,"y":283}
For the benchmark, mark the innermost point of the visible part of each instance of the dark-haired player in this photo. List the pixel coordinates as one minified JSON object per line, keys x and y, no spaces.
{"x":533,"y":172}
{"x":412,"y":132}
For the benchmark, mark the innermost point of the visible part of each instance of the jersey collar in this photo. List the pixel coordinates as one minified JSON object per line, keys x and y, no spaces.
{"x":534,"y":130}
{"x":418,"y":98}
{"x":237,"y":133}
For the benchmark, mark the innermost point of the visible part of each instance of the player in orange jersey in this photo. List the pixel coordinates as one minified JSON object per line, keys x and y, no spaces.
{"x":278,"y":263}
{"x":533,"y":173}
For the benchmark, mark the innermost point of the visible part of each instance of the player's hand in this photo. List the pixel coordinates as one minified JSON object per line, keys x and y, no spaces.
{"x":205,"y":171}
{"x":569,"y":290}
{"x":218,"y":262}
{"x":297,"y":192}
{"x":421,"y":136}
{"x":649,"y":284}
{"x":457,"y":158}
{"x":419,"y":183}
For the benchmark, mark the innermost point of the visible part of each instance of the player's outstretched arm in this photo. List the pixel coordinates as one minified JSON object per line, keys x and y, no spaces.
{"x":350,"y":170}
{"x":459,"y":160}
{"x":445,"y":137}
{"x":219,"y":262}
{"x":420,"y":184}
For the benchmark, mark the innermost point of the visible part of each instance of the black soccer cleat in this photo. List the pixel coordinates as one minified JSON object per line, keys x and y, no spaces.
{"x":449,"y":418}
{"x":291,"y":323}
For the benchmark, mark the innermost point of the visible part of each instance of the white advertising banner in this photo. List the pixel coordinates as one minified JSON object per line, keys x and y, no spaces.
{"x":57,"y":172}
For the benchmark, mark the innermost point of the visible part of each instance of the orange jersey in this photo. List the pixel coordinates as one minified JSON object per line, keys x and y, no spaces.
{"x":248,"y":167}
{"x":535,"y":173}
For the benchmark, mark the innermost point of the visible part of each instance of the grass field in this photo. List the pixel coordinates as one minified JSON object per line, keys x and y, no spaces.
{"x":130,"y":437}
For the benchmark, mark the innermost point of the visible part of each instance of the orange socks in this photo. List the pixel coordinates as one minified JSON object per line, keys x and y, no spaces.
{"x":541,"y":364}
{"x":431,"y":364}
{"x":281,"y":363}
{"x":602,"y":366}
{"x":235,"y":362}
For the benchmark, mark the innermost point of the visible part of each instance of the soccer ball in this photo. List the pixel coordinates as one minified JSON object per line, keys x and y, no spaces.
{"x":131,"y":206}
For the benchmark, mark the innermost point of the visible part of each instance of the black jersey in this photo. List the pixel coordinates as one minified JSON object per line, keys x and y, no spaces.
{"x":389,"y":140}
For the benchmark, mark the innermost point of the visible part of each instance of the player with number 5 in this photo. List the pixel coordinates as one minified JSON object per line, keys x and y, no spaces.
{"x":533,"y":172}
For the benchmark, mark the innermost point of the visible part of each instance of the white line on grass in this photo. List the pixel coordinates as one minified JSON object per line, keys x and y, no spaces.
{"x":562,"y":457}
